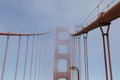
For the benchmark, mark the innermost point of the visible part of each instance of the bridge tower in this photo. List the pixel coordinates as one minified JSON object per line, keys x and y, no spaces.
{"x":62,"y":54}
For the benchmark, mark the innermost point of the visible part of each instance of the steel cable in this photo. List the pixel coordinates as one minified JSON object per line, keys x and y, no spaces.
{"x":5,"y":57}
{"x":86,"y":57}
{"x":105,"y":37}
{"x":32,"y":58}
{"x":36,"y":59}
{"x":17,"y":62}
{"x":39,"y":60}
{"x":26,"y":55}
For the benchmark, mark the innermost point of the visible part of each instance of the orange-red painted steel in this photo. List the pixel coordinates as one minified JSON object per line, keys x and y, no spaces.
{"x":108,"y":16}
{"x":19,"y":34}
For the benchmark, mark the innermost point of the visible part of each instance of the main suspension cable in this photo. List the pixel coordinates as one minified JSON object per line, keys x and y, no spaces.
{"x":98,"y":11}
{"x":23,"y":34}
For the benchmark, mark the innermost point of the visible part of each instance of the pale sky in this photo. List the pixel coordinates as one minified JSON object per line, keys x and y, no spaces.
{"x":33,"y":16}
{"x":43,"y":15}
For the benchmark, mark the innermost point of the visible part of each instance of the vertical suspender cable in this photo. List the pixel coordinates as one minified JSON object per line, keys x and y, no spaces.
{"x":36,"y":59}
{"x":105,"y":54}
{"x":24,"y":75}
{"x":35,"y":62}
{"x":42,"y":66}
{"x":86,"y":57}
{"x":43,"y":62}
{"x":45,"y":58}
{"x":17,"y":62}
{"x":79,"y":56}
{"x":39,"y":60}
{"x":32,"y":58}
{"x":77,"y":52}
{"x":109,"y":56}
{"x":71,"y":50}
{"x":87,"y":60}
{"x":72,"y":56}
{"x":76,"y":57}
{"x":47,"y":53}
{"x":5,"y":56}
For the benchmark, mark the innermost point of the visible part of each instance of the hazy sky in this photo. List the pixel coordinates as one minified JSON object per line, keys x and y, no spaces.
{"x":32,"y":16}
{"x":42,"y":15}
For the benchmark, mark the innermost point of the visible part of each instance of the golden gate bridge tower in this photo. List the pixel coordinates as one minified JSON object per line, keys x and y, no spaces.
{"x":62,"y":54}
